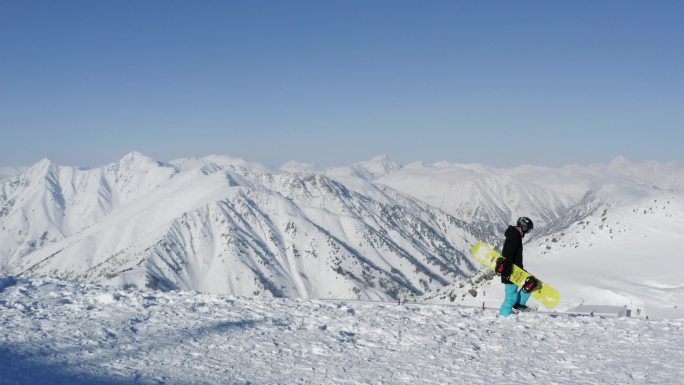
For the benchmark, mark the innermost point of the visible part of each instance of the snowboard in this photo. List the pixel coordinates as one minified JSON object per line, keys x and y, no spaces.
{"x":544,"y":293}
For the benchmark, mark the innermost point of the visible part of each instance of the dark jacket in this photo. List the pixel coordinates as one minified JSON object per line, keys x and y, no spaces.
{"x":512,"y":249}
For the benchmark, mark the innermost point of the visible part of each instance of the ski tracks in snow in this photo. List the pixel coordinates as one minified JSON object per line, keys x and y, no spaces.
{"x":63,"y":333}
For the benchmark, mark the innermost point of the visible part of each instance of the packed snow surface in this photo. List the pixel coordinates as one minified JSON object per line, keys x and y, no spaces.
{"x":57,"y":332}
{"x":619,"y":256}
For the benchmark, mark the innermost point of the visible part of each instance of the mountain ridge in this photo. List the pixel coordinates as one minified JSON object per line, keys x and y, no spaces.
{"x":163,"y":226}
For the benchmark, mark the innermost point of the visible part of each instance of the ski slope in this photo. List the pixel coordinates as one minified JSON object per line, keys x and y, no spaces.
{"x":624,"y":256}
{"x":57,"y":332}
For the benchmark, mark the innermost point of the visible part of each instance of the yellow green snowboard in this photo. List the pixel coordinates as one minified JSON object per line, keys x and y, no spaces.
{"x":544,"y":293}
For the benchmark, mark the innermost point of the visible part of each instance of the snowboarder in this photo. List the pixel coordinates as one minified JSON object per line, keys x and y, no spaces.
{"x":512,"y":253}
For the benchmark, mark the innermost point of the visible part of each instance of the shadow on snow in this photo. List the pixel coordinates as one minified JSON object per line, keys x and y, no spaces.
{"x":39,"y":365}
{"x":26,"y":368}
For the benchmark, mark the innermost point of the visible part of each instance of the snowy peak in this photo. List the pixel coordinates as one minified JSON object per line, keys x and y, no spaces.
{"x":618,"y":164}
{"x":227,"y":162}
{"x":137,"y":161}
{"x":212,"y":163}
{"x":136,"y":158}
{"x":379,"y":165}
{"x":44,"y":168}
{"x":41,"y":177}
{"x":43,"y":164}
{"x":369,"y":170}
{"x":298,"y":167}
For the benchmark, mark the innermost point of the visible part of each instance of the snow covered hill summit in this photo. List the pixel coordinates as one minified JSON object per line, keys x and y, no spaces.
{"x":371,"y":230}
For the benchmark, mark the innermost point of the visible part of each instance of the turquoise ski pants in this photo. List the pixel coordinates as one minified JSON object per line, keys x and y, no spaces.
{"x":514,"y":295}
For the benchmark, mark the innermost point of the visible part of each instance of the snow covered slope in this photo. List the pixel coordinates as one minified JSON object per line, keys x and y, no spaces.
{"x":61,"y":333}
{"x":220,"y":224}
{"x":622,"y":256}
{"x":627,"y":255}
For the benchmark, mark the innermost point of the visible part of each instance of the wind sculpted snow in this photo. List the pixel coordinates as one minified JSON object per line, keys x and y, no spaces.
{"x":63,"y":333}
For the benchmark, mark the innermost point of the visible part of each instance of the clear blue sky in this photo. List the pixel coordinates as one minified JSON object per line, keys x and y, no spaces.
{"x":335,"y":82}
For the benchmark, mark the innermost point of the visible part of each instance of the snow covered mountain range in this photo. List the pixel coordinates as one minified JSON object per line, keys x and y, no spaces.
{"x":223,"y":225}
{"x":372,"y":230}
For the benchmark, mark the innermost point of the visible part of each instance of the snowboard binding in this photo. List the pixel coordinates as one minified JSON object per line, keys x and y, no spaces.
{"x":502,"y":268}
{"x":530,"y":284}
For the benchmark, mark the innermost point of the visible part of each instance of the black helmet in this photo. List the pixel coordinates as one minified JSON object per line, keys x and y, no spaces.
{"x":525,"y":224}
